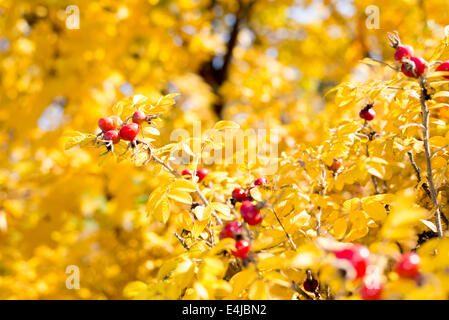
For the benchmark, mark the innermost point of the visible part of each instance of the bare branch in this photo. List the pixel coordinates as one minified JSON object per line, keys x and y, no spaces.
{"x":182,"y":241}
{"x":425,"y":121}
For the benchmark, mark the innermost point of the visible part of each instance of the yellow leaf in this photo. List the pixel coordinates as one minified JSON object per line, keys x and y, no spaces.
{"x":138,"y":98}
{"x":225,"y":124}
{"x":357,"y":233}
{"x":429,"y":225}
{"x":243,"y":280}
{"x":124,"y":107}
{"x":404,"y":214}
{"x":202,"y":213}
{"x":438,"y":141}
{"x":438,"y":162}
{"x":255,"y":194}
{"x":77,"y":138}
{"x":167,"y":100}
{"x":180,"y":196}
{"x":152,"y":130}
{"x":222,"y":208}
{"x":198,"y":227}
{"x":134,"y":289}
{"x":268,"y":261}
{"x":183,"y":185}
{"x":439,"y":94}
{"x":258,"y":290}
{"x":375,"y":209}
{"x":351,"y":204}
{"x":376,"y":167}
{"x":339,"y":228}
{"x":165,"y":207}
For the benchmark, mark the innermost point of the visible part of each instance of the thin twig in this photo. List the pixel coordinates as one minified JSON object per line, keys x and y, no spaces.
{"x":439,"y":149}
{"x":385,"y":64}
{"x":298,"y":289}
{"x":418,"y":174}
{"x":285,"y":231}
{"x":376,"y":186}
{"x":166,"y":166}
{"x":211,"y":234}
{"x":425,"y":122}
{"x":373,"y":178}
{"x":184,"y":244}
{"x":424,"y":185}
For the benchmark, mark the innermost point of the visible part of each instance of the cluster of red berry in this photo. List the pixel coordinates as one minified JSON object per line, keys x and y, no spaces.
{"x":411,"y":66}
{"x":200,"y":173}
{"x":109,"y":126}
{"x":358,"y":257}
{"x":113,"y":129}
{"x":250,"y":214}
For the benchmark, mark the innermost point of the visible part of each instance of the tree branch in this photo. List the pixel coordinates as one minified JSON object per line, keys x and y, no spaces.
{"x":215,"y":77}
{"x":285,"y":231}
{"x":424,"y":96}
{"x":182,"y":241}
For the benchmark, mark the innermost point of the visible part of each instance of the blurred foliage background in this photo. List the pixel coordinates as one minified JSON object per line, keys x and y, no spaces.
{"x":260,"y":63}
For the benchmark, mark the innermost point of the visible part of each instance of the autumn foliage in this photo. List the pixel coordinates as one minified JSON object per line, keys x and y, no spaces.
{"x":108,"y":131}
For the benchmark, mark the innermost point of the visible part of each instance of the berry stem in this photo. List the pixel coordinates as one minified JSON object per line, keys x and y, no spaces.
{"x":298,"y":289}
{"x":373,"y":178}
{"x":425,"y":123}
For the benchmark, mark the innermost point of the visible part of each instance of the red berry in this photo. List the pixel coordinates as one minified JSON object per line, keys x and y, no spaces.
{"x":443,"y":67}
{"x":367,"y":113}
{"x":357,"y":255}
{"x":241,"y":249}
{"x":186,"y":172}
{"x":239,"y":195}
{"x":414,"y":67}
{"x":371,"y":288}
{"x":129,"y":132}
{"x":106,"y":124}
{"x":112,"y":135}
{"x":408,"y":265}
{"x":201,"y":174}
{"x":250,"y":213}
{"x":139,"y":117}
{"x":310,"y":285}
{"x":260,"y":181}
{"x":403,"y":51}
{"x":336,"y":165}
{"x":231,"y":230}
